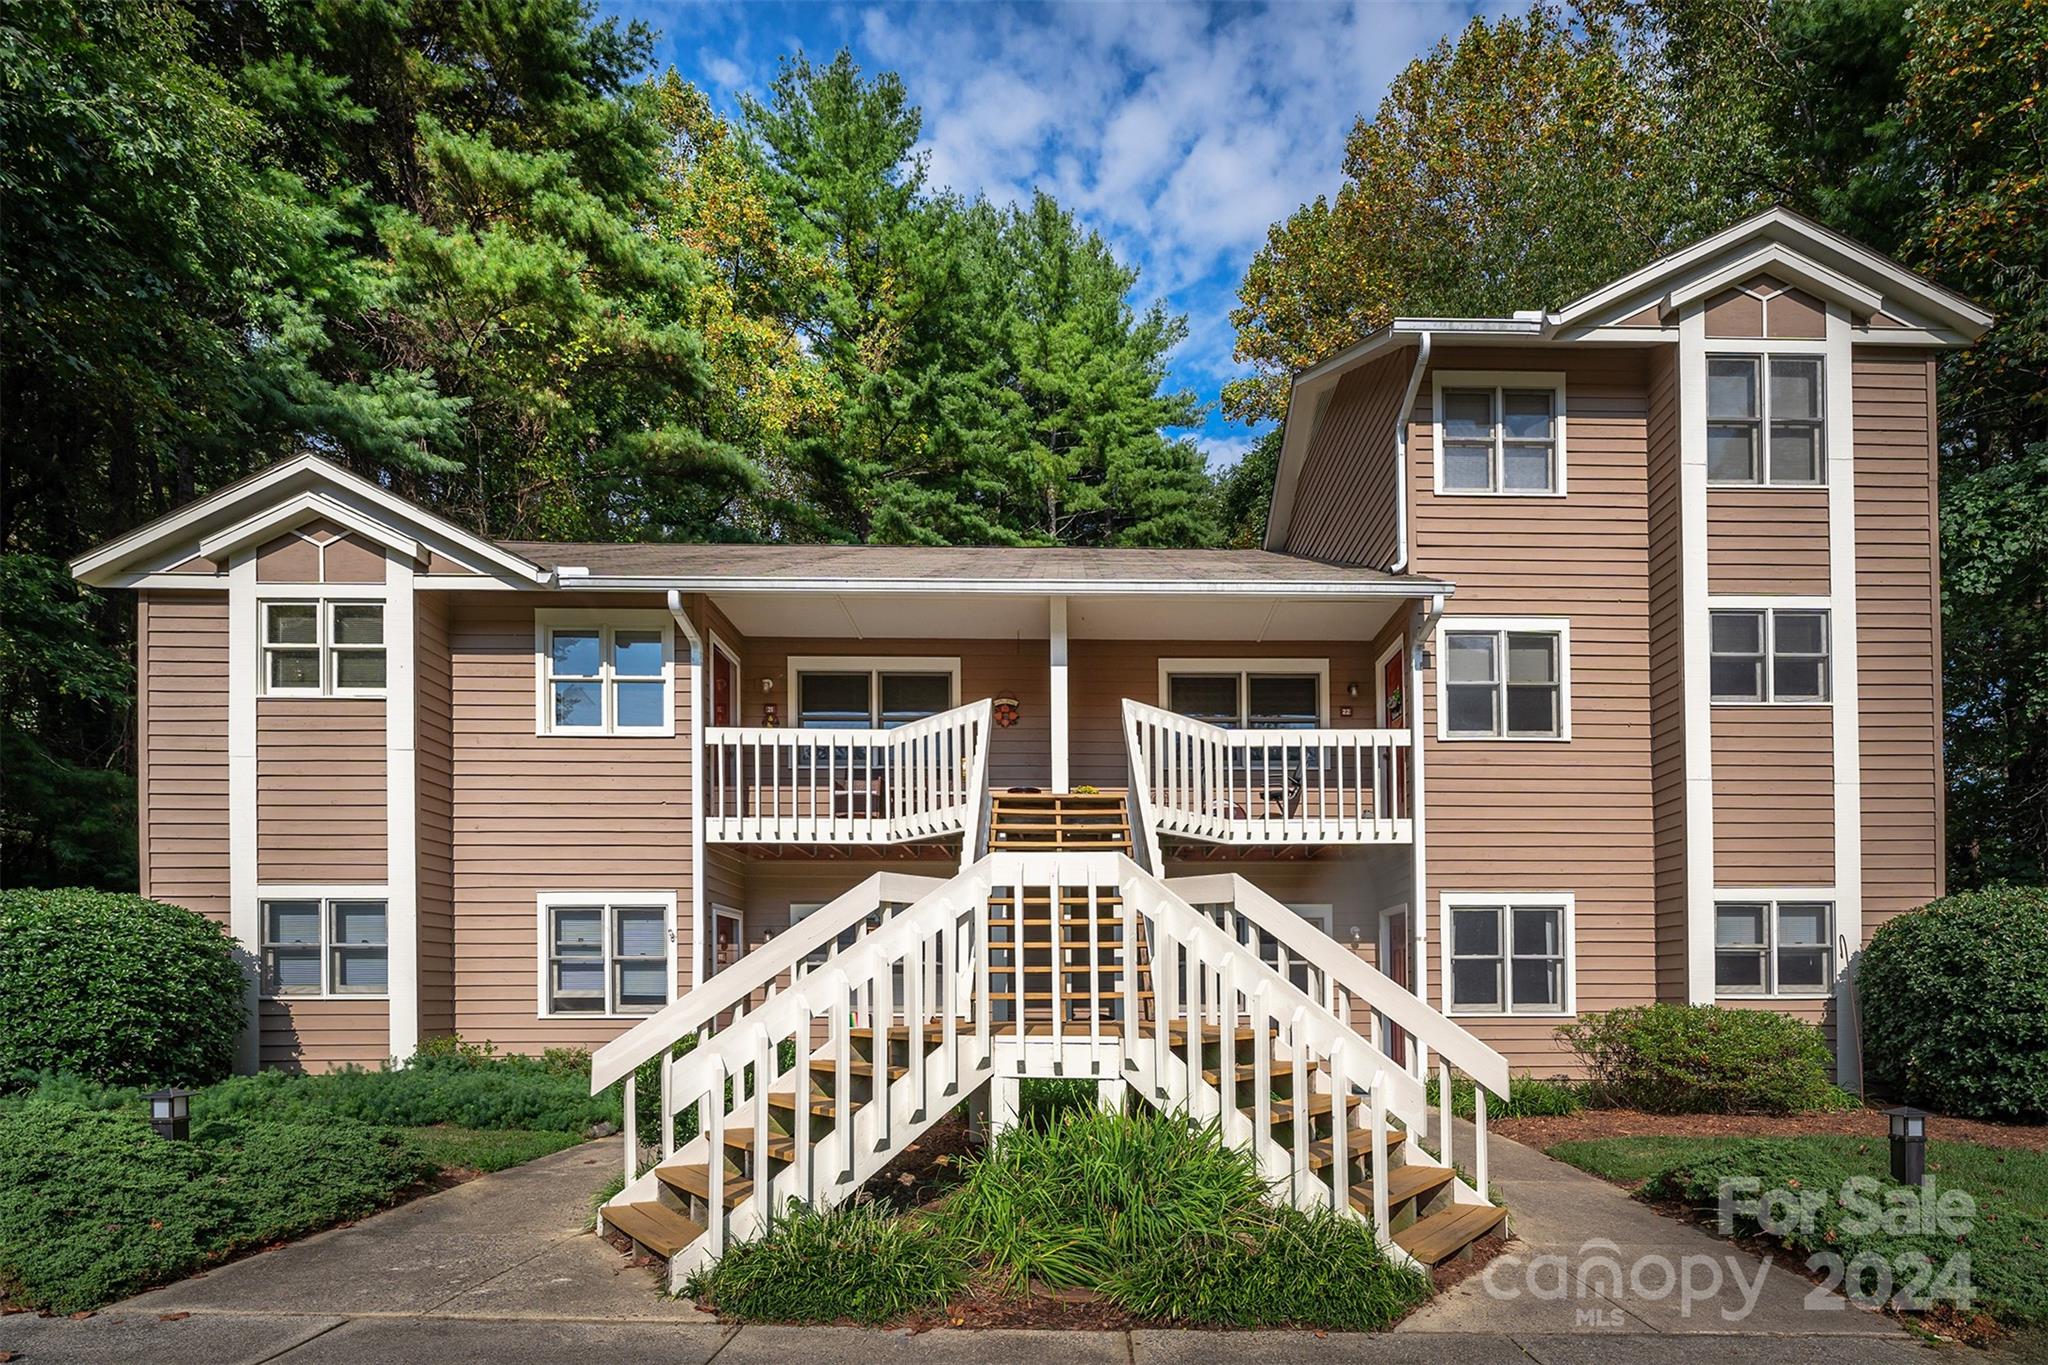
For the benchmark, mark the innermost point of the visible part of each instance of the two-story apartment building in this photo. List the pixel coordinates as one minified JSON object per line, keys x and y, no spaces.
{"x":1592,"y":659}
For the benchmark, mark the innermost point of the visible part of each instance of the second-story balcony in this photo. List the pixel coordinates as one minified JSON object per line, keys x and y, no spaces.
{"x":1203,"y":782}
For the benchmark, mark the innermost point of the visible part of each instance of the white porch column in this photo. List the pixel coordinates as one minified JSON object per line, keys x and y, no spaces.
{"x":1058,"y":709}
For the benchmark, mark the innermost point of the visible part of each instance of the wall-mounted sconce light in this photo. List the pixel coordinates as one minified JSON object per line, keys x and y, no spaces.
{"x":768,"y":684}
{"x":1351,"y":689}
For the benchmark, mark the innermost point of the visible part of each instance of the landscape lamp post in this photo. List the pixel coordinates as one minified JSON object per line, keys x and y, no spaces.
{"x":170,"y":1113}
{"x":1909,"y":1144}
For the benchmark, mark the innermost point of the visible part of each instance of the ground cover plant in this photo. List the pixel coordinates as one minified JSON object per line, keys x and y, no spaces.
{"x":1955,"y":1004}
{"x":2006,"y":1237}
{"x":1703,"y":1059}
{"x":1158,"y":1216}
{"x":1527,"y":1097}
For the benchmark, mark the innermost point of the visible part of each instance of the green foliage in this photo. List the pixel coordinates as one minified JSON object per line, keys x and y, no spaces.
{"x":1285,"y":1268}
{"x":853,"y":1263}
{"x":1703,"y":1059}
{"x":1244,"y":493}
{"x":1042,"y":1103}
{"x":1954,"y":1001}
{"x":2007,"y":1245}
{"x":453,"y":1148}
{"x":94,"y":1206}
{"x":1527,"y":1097}
{"x":118,"y":988}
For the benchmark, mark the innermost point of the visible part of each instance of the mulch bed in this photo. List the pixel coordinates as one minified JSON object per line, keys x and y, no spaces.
{"x":1542,"y":1133}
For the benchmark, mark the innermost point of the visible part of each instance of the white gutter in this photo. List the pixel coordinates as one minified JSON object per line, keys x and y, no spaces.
{"x":1293,"y":588}
{"x":1418,"y":837}
{"x":1400,"y":564}
{"x":697,"y":871}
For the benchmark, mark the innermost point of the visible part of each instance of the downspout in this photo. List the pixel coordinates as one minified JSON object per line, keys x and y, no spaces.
{"x":1418,"y":852}
{"x":689,"y":630}
{"x":1400,"y":564}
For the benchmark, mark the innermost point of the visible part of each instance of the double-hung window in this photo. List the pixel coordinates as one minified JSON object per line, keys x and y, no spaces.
{"x":316,"y":647}
{"x":1765,"y":423}
{"x":605,"y":675}
{"x":1505,"y":681}
{"x":1774,"y":947}
{"x":1508,"y":954}
{"x":325,"y":946}
{"x":1773,"y":654}
{"x":606,"y":955}
{"x":1500,"y":434}
{"x":854,"y":694}
{"x":1244,"y":699}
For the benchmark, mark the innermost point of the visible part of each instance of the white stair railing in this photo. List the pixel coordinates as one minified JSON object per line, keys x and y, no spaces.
{"x":923,"y":780}
{"x":1201,"y":781}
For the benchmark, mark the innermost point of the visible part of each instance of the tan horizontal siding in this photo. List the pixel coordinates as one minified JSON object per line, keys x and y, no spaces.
{"x":325,"y":1035}
{"x":434,"y":767}
{"x":1344,"y":501}
{"x":1767,"y":540}
{"x":1103,"y":673}
{"x":1548,"y":817}
{"x":1667,"y":672}
{"x":1774,"y":796}
{"x":321,"y":799}
{"x":182,"y":749}
{"x":1898,"y":622}
{"x":546,"y":813}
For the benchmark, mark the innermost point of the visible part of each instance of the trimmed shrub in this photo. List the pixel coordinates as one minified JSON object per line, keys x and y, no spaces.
{"x":2007,"y":1245}
{"x":94,"y":1206}
{"x":1703,"y":1059}
{"x":122,"y":989}
{"x":853,"y":1262}
{"x":1955,"y":1004}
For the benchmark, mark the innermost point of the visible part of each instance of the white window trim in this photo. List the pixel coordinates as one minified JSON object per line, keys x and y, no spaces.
{"x":325,"y":893}
{"x":1496,"y":380}
{"x":1772,"y":897}
{"x":1447,"y":901}
{"x":544,"y":906}
{"x":324,"y":599}
{"x":1769,"y":606}
{"x":737,"y":916}
{"x":1560,"y":626}
{"x":547,"y":620}
{"x":1762,"y":350}
{"x":1244,"y":667}
{"x":873,"y":665}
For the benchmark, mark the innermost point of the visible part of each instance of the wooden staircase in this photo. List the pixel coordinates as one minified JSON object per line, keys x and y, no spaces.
{"x":1032,"y":821}
{"x":1067,"y":960}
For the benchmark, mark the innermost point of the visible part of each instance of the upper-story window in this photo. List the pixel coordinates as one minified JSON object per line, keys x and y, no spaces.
{"x":1765,"y":420}
{"x":857,"y":694}
{"x":315,"y":648}
{"x":605,"y":673}
{"x":1247,"y":699}
{"x":1771,"y":654}
{"x":1500,"y":434}
{"x":1505,"y":679}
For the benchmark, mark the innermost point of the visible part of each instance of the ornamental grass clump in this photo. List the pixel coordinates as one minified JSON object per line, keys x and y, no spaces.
{"x":853,"y":1263}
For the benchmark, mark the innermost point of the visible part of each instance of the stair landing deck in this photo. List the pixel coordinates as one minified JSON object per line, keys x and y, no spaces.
{"x":1040,"y":821}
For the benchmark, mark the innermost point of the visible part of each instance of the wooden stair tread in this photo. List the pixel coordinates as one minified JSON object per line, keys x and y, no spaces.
{"x":1322,"y":1151}
{"x":657,"y":1227}
{"x":696,"y":1180}
{"x":1443,"y":1235}
{"x":780,"y":1147}
{"x":821,"y":1106}
{"x":1416,"y":1179}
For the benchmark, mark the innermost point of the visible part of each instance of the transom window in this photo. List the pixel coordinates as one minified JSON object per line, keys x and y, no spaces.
{"x":1500,"y":434}
{"x":1504,"y":683}
{"x":315,"y":647}
{"x":1246,"y":700}
{"x":1509,"y":956}
{"x":606,"y":955}
{"x":325,"y":946}
{"x":870,"y":698}
{"x":606,"y":677}
{"x":1769,"y":655}
{"x":1765,"y":433}
{"x":1772,"y":947}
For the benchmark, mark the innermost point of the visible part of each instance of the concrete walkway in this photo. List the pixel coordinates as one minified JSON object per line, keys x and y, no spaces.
{"x":498,"y":1270}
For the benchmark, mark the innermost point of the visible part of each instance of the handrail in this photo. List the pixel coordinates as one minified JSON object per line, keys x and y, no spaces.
{"x":1141,"y":789}
{"x":1436,"y":1031}
{"x":708,"y":1000}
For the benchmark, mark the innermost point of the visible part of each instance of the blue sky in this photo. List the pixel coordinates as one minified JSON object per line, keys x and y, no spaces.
{"x":1178,"y":131}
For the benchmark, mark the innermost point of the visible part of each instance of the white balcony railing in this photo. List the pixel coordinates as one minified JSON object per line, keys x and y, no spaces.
{"x":924,"y":780}
{"x":1200,"y":781}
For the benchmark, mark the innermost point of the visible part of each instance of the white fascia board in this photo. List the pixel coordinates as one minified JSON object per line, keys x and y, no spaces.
{"x":1781,"y":262}
{"x":1400,"y":588}
{"x":297,"y":511}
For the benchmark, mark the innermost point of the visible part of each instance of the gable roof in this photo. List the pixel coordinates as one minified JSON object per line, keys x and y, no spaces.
{"x":280,"y":498}
{"x":1908,"y":308}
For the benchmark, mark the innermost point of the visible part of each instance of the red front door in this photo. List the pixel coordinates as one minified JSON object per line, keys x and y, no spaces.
{"x":1394,"y":942}
{"x":724,"y":684}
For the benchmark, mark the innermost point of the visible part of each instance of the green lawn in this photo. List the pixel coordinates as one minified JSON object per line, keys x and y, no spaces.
{"x":2019,"y":1178}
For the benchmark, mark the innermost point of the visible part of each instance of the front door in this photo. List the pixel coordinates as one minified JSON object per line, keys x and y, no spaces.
{"x":728,"y":938}
{"x":1393,"y":774}
{"x":725,"y":687}
{"x":1395,"y":962}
